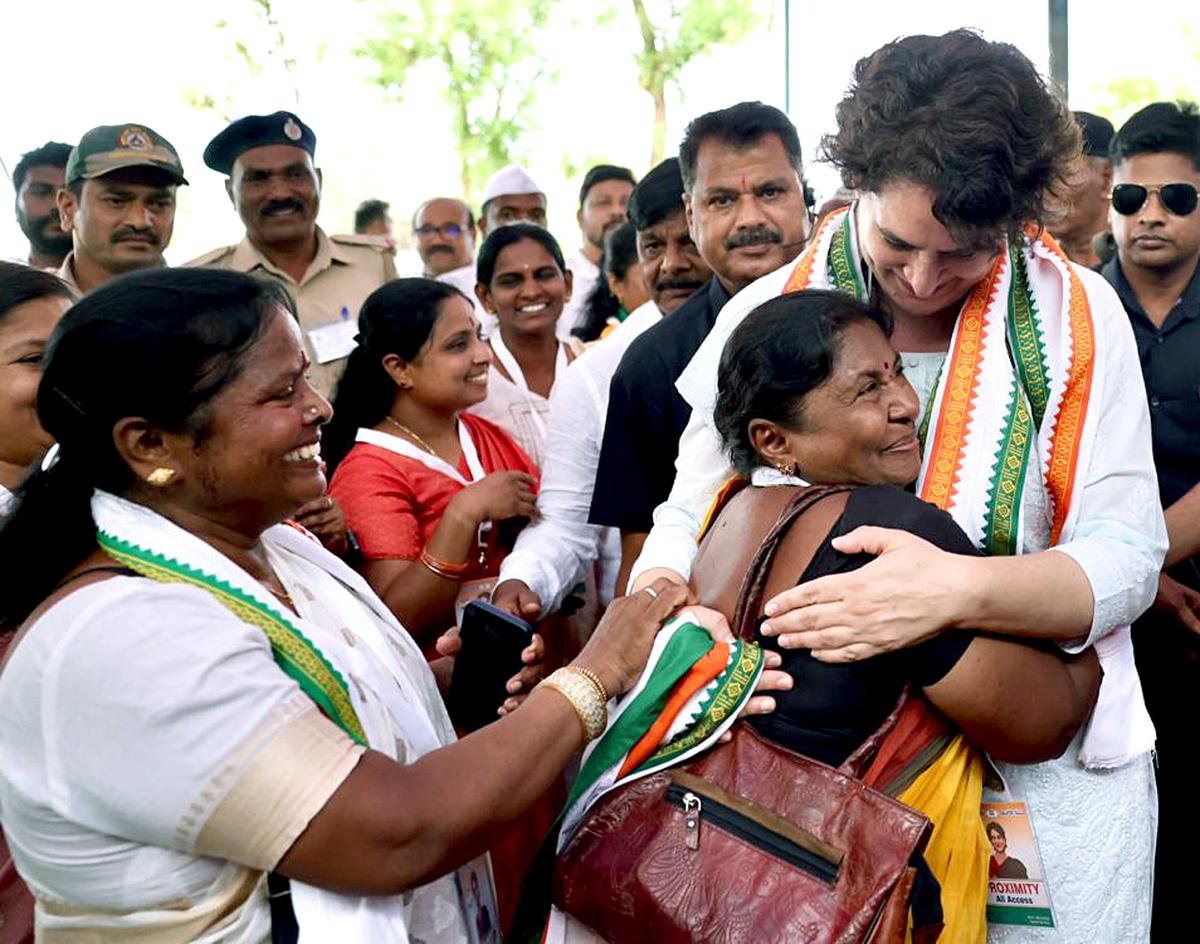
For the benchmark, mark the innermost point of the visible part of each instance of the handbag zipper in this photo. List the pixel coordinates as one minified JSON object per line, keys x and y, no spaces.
{"x":696,"y":808}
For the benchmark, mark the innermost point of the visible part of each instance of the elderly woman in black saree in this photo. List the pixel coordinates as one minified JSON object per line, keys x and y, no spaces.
{"x":813,"y":393}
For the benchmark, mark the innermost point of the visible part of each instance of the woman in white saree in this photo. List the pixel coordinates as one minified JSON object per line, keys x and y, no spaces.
{"x":201,"y":695}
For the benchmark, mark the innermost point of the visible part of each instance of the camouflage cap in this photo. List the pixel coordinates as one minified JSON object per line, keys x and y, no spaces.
{"x":112,"y":147}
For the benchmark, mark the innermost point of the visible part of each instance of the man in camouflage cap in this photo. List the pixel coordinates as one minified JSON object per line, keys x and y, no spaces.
{"x":118,"y":203}
{"x":276,"y":190}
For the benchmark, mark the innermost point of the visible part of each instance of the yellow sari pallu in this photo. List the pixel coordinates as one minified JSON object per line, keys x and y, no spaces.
{"x":949,"y":792}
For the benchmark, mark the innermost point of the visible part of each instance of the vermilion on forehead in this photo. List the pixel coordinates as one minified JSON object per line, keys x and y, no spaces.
{"x":532,"y":253}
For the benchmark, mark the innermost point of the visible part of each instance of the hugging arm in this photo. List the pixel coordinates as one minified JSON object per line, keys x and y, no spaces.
{"x":1020,"y":703}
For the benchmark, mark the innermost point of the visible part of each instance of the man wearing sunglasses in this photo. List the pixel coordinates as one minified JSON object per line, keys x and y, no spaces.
{"x":1156,"y":224}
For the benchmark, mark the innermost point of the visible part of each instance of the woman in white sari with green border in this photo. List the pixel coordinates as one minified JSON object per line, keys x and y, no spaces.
{"x":203,"y":706}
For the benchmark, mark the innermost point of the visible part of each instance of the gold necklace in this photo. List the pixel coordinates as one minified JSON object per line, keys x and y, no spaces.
{"x":413,"y":436}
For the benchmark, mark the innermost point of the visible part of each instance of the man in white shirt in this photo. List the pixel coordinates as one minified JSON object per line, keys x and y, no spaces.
{"x":552,"y":553}
{"x":602,"y":207}
{"x":445,"y":232}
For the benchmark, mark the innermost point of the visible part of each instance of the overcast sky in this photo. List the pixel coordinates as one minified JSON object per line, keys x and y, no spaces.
{"x":73,"y":64}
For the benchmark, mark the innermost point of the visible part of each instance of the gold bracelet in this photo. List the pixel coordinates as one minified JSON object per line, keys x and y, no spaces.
{"x":583,"y":696}
{"x":593,"y":678}
{"x":443,"y":569}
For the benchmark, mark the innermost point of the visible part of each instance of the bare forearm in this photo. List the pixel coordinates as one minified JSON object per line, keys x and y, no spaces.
{"x":480,"y":785}
{"x":390,"y":828}
{"x":421,"y":599}
{"x":1044,"y":595}
{"x":1183,"y":527}
{"x":1019,"y":703}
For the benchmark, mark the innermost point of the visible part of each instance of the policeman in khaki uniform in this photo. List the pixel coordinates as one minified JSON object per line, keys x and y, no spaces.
{"x":276,"y":190}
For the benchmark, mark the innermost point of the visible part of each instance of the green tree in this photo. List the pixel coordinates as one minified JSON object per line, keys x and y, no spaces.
{"x":264,"y":47}
{"x":1174,"y":78}
{"x":674,"y":32}
{"x":487,"y":52}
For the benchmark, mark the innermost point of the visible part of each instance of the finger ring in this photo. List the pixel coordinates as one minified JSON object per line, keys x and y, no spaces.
{"x":652,"y":592}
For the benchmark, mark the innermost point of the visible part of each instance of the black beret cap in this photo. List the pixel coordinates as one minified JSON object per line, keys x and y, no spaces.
{"x":657,"y":195}
{"x":1097,"y":133}
{"x":257,"y":131}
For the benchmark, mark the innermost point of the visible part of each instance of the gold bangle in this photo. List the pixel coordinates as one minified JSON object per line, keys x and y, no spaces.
{"x":593,"y":678}
{"x":584,"y":698}
{"x":444,"y":569}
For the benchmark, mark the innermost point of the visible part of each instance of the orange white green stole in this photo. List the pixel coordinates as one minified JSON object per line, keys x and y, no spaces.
{"x":1009,"y":409}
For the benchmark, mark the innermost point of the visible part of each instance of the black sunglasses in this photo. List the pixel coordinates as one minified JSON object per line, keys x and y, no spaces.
{"x":1179,"y":199}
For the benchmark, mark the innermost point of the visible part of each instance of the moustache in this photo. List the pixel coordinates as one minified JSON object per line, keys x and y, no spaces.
{"x":438,"y":248}
{"x":753,"y":237}
{"x":272,"y":207}
{"x":129,"y":232}
{"x":666,"y":285}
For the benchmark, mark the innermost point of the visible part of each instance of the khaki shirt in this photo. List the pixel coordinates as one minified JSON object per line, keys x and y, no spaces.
{"x":66,"y":272}
{"x":345,"y":270}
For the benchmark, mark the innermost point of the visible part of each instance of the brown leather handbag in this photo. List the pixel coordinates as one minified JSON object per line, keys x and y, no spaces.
{"x":750,"y":843}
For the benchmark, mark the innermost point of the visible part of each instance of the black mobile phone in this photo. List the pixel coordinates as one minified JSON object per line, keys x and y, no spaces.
{"x":492,"y":641}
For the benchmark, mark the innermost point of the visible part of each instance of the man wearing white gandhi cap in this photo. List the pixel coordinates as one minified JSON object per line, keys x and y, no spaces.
{"x":511,"y":195}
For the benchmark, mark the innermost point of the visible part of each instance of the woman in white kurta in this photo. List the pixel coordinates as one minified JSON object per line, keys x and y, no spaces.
{"x":200,"y":695}
{"x":1035,"y":434}
{"x":524,"y":284}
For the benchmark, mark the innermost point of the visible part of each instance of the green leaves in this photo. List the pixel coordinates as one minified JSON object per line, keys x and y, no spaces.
{"x":488,"y":55}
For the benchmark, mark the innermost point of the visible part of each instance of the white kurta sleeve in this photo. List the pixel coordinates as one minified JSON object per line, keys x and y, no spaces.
{"x":701,"y":468}
{"x":167,"y":722}
{"x":552,"y":553}
{"x":1120,"y":538}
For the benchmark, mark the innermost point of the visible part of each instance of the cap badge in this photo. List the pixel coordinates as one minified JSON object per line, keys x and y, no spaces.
{"x":135,"y":138}
{"x":292,"y":130}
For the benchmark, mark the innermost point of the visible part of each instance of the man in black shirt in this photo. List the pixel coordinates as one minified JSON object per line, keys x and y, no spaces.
{"x":1156,"y":224}
{"x":747,"y":210}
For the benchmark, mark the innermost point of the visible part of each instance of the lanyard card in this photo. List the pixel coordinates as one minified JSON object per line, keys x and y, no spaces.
{"x":475,"y":890}
{"x":1017,"y":890}
{"x":334,"y":341}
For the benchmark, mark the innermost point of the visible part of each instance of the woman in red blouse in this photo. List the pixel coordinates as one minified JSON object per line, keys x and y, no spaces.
{"x":427,"y":490}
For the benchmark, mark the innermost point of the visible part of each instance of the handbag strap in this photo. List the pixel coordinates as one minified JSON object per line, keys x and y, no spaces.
{"x":750,"y":600}
{"x":754,"y":584}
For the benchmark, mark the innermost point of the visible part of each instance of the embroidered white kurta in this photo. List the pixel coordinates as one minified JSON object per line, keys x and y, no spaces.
{"x":1119,"y":542}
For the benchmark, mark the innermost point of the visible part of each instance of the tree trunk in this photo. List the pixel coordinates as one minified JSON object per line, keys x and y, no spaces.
{"x":658,"y":139}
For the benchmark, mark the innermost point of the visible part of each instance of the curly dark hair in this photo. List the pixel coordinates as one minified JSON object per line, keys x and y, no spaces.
{"x":970,"y":119}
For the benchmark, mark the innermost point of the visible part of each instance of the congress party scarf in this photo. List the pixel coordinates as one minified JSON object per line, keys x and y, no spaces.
{"x":1009,"y":409}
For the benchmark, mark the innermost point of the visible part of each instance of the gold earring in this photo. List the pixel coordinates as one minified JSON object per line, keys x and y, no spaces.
{"x":787,"y":468}
{"x":160,"y":477}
